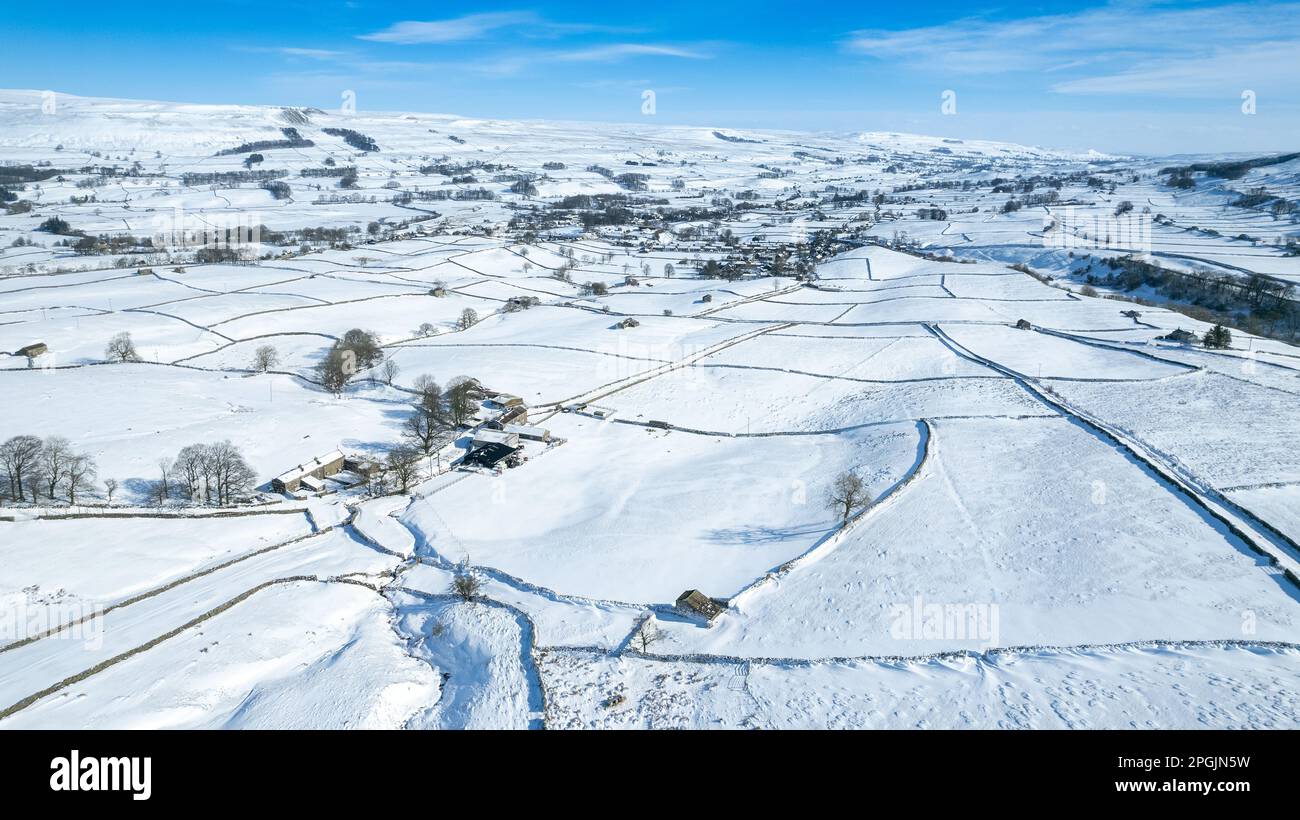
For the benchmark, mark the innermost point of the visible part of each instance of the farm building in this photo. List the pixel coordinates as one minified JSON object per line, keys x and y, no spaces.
{"x":528,"y":433}
{"x":318,"y":468}
{"x":1181,"y":336}
{"x":696,"y":602}
{"x":485,"y":437}
{"x":33,"y":350}
{"x":515,"y":415}
{"x":489,"y":455}
{"x":366,"y":467}
{"x":1023,"y":324}
{"x":507,"y":401}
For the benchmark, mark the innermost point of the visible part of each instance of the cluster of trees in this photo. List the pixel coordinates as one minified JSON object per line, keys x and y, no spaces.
{"x":434,"y":413}
{"x":57,"y":226}
{"x":356,"y":139}
{"x":278,"y":189}
{"x":292,"y":139}
{"x":192,"y":179}
{"x":205,"y":474}
{"x":48,"y":467}
{"x":1230,"y":169}
{"x":1218,"y":338}
{"x":1269,"y":302}
{"x":357,"y":350}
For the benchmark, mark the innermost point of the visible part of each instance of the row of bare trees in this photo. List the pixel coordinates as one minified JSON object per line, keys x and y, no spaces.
{"x":49,"y":467}
{"x":205,"y":474}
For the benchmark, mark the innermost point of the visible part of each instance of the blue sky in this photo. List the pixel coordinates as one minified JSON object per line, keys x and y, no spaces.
{"x":1152,"y":77}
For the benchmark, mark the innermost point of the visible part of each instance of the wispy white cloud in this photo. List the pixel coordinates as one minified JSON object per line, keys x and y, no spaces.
{"x":291,"y":51}
{"x":618,"y":51}
{"x":1123,"y":48}
{"x":477,"y":26}
{"x":1223,"y":72}
{"x":513,"y":62}
{"x":469,"y":27}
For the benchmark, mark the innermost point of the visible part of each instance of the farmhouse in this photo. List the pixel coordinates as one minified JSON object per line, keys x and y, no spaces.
{"x":696,"y":602}
{"x":33,"y":350}
{"x":318,"y":468}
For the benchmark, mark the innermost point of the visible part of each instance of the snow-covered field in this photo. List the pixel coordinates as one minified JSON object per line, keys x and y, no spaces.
{"x":1074,"y":524}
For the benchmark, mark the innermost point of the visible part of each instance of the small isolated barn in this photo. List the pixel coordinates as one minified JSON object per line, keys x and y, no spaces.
{"x":1023,"y":324}
{"x":33,"y":350}
{"x":1181,"y":336}
{"x":318,"y":468}
{"x":694,"y":602}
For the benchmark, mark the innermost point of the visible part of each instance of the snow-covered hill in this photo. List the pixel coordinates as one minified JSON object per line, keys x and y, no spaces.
{"x":1066,"y":518}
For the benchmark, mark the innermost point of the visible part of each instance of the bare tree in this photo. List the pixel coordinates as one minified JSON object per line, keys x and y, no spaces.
{"x":56,"y":456}
{"x":165,"y":469}
{"x":468,"y":318}
{"x":847,"y":495}
{"x":422,"y":429}
{"x":19,"y":456}
{"x":647,"y":635}
{"x":265,"y":358}
{"x":121,"y":348}
{"x":389,"y":371}
{"x":110,"y":487}
{"x":425,"y":385}
{"x":79,"y":475}
{"x":402,"y":463}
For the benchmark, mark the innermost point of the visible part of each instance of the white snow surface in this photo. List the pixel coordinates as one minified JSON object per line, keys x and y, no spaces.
{"x":1111,"y":516}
